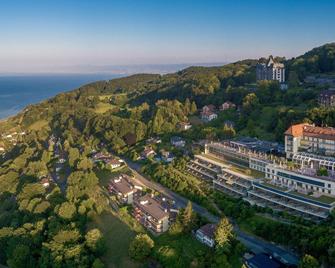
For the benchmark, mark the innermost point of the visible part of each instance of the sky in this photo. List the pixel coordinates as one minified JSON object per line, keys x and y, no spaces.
{"x":68,"y":35}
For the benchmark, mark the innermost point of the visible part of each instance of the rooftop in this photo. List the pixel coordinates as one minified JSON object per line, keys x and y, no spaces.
{"x":296,"y":130}
{"x":122,"y":184}
{"x":152,"y":207}
{"x":208,"y":230}
{"x":323,"y":132}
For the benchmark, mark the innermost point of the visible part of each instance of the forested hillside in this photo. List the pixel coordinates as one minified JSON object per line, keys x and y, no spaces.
{"x":48,"y":228}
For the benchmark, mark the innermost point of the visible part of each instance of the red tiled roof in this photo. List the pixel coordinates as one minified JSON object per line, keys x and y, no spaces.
{"x":319,"y":132}
{"x":296,"y":130}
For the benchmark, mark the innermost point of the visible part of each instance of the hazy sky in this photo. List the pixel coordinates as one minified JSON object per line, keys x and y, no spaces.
{"x":44,"y":36}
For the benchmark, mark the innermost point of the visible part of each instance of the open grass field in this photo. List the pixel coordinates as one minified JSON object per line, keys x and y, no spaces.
{"x":179,"y":251}
{"x":103,"y":107}
{"x":38,"y":125}
{"x":118,"y":236}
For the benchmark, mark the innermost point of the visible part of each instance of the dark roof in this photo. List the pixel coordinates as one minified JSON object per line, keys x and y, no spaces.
{"x":152,"y":207}
{"x":208,"y":230}
{"x":327,"y":93}
{"x":130,"y":138}
{"x":264,"y":261}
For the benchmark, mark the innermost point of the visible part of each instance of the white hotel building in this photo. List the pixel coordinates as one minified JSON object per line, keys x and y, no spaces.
{"x":298,"y":191}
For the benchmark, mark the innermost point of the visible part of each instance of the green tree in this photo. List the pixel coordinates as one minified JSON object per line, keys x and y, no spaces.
{"x":250,"y":103}
{"x":73,"y":156}
{"x":187,"y":217}
{"x":94,"y":240}
{"x":193,"y":108}
{"x":21,"y":257}
{"x":85,"y":164}
{"x":67,"y":210}
{"x":98,"y":264}
{"x":309,"y":261}
{"x":141,"y":247}
{"x":223,"y":234}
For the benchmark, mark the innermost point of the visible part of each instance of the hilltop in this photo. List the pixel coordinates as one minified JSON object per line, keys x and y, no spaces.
{"x":55,"y":139}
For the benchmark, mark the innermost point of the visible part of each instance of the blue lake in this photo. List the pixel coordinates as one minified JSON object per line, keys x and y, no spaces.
{"x":16,"y":92}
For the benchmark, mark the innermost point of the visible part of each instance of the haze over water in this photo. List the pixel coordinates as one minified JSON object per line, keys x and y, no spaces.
{"x":16,"y":92}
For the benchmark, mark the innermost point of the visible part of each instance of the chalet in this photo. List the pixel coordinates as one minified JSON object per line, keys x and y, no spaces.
{"x":177,"y":141}
{"x":227,"y":105}
{"x":147,"y":152}
{"x":113,"y":163}
{"x":208,"y":116}
{"x":124,"y":189}
{"x":167,"y":156}
{"x":184,"y":125}
{"x":205,"y":234}
{"x":153,"y":140}
{"x":208,"y":108}
{"x":101,"y":157}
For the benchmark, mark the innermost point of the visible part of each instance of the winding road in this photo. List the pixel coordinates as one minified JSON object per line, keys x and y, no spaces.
{"x":253,"y":243}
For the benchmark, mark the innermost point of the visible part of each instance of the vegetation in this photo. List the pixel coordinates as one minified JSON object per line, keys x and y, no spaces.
{"x":60,"y":225}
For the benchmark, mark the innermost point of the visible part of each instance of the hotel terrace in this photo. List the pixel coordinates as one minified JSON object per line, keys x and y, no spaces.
{"x":246,"y":169}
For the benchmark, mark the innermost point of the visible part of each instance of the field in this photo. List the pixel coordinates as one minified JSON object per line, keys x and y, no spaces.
{"x":118,"y":235}
{"x":38,"y":125}
{"x":103,"y":107}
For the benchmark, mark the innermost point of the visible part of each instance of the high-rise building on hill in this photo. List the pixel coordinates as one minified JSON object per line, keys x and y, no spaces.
{"x":271,"y":70}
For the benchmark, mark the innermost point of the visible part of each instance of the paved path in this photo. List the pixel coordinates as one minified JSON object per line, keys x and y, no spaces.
{"x":253,"y":243}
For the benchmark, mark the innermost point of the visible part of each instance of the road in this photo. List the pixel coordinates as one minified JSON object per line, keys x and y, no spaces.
{"x":253,"y":243}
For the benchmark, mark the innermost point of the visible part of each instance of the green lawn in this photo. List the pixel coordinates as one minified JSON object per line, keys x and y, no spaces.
{"x":118,"y":236}
{"x":103,"y":107}
{"x":38,"y":125}
{"x":179,"y":251}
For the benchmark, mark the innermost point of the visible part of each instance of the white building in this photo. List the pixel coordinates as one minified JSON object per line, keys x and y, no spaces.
{"x":205,"y":234}
{"x":311,"y":139}
{"x":271,"y":70}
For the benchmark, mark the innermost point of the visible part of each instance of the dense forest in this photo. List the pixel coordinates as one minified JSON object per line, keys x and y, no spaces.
{"x":47,"y":227}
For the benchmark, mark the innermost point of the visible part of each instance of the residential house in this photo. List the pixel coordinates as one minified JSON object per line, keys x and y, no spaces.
{"x":153,"y":140}
{"x":167,"y":156}
{"x":177,"y":141}
{"x":227,"y":105}
{"x":113,"y":163}
{"x":125,"y":190}
{"x":208,"y":116}
{"x":152,"y":214}
{"x":205,"y":234}
{"x":184,"y":125}
{"x":209,"y":108}
{"x":147,"y":152}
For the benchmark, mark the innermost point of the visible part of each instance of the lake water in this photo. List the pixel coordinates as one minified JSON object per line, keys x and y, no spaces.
{"x":16,"y":92}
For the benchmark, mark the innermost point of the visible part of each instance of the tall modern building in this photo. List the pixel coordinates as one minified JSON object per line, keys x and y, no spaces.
{"x":271,"y":70}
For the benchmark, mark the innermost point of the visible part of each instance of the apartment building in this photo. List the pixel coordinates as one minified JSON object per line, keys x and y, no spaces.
{"x":124,"y":189}
{"x":271,"y":70}
{"x":153,"y":213}
{"x":309,"y":138}
{"x":327,"y":98}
